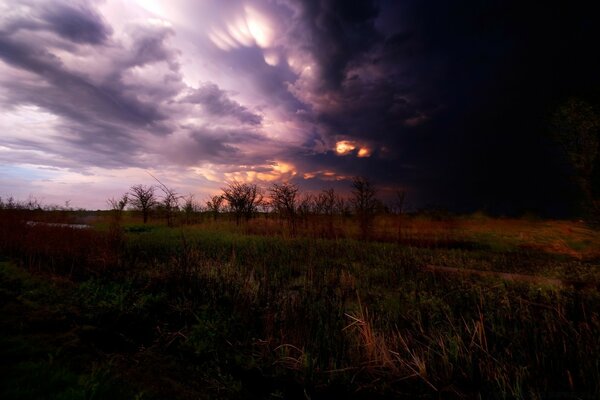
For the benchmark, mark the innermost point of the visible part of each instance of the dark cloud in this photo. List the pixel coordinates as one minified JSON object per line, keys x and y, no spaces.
{"x":217,"y":102}
{"x":458,"y":93}
{"x":338,"y":32}
{"x":74,"y":21}
{"x":78,"y":23}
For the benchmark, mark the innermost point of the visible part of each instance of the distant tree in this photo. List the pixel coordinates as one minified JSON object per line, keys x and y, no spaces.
{"x":398,"y":209}
{"x":283,"y":199}
{"x":365,"y":204}
{"x":326,"y":202}
{"x":398,"y":204}
{"x":169,"y":202}
{"x":117,"y":206}
{"x":215,"y":205}
{"x":306,"y":206}
{"x":265,"y":208}
{"x":243,"y":199}
{"x":143,"y":198}
{"x":8,"y":204}
{"x":189,"y":208}
{"x":576,"y":127}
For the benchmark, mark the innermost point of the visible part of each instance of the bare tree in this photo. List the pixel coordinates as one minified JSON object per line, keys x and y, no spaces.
{"x":365,"y":204}
{"x":169,"y":202}
{"x":283,"y":199}
{"x":306,"y":207}
{"x":215,"y":205}
{"x":398,"y":208}
{"x":143,"y":198}
{"x":243,"y":199}
{"x":189,"y":208}
{"x":117,"y":206}
{"x":398,"y":205}
{"x":325,"y":202}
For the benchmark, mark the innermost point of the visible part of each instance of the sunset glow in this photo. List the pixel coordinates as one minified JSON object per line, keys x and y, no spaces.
{"x":344,"y":147}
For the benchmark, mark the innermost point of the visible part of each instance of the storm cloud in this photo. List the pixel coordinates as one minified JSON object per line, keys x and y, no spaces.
{"x":445,"y":100}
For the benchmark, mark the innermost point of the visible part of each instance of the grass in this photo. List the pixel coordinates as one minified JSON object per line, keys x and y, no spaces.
{"x":219,"y":311}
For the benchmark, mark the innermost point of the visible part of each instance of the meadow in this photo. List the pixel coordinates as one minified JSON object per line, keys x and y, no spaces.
{"x":429,"y":306}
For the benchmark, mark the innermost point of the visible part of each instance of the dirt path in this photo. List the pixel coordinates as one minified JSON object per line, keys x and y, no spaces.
{"x":507,"y":276}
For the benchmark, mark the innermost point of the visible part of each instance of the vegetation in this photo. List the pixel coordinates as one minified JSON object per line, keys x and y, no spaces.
{"x":443,"y":306}
{"x":576,"y":127}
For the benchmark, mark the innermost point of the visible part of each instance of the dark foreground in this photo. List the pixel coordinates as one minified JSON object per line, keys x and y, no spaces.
{"x":212,"y":311}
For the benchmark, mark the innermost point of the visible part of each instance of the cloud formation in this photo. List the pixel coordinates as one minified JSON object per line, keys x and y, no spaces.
{"x":315,"y":91}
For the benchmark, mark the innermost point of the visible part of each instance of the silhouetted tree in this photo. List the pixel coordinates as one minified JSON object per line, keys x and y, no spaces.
{"x":283,"y":200}
{"x":365,"y":204}
{"x":398,"y":208}
{"x":169,"y":202}
{"x":143,"y":198}
{"x":189,"y":208}
{"x":214,"y":205}
{"x":306,"y":207}
{"x":326,"y":204}
{"x":326,"y":201}
{"x":576,"y":127}
{"x":243,"y":199}
{"x":117,"y":206}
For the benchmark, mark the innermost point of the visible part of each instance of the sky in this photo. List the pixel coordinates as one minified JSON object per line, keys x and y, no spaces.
{"x":445,"y":100}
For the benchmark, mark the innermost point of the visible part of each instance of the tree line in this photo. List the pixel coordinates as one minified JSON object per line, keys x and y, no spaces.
{"x":244,"y":201}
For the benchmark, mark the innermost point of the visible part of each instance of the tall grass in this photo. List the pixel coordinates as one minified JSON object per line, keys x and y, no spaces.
{"x":339,"y":313}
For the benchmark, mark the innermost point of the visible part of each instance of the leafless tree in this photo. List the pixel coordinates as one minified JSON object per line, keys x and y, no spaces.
{"x":169,"y":202}
{"x":341,"y":206}
{"x":398,"y":205}
{"x":365,"y":204}
{"x":117,"y":206}
{"x":189,"y":208}
{"x":243,"y":199}
{"x":306,"y":207}
{"x":325,"y":202}
{"x":398,"y":208}
{"x":215,"y":205}
{"x":283,"y":199}
{"x":143,"y":198}
{"x":265,"y":208}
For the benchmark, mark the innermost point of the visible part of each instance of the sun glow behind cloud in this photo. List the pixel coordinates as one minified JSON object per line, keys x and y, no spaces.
{"x":275,"y":171}
{"x":346,"y":147}
{"x":245,"y":30}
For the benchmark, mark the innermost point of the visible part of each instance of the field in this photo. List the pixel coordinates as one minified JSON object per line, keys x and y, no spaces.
{"x":428,"y":307}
